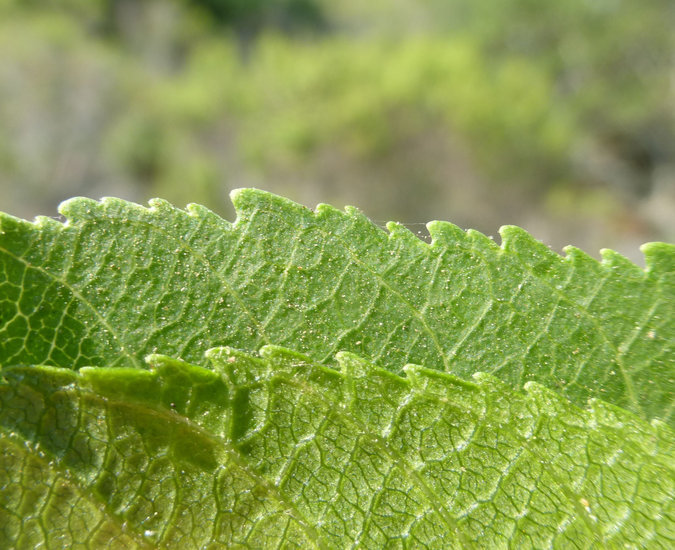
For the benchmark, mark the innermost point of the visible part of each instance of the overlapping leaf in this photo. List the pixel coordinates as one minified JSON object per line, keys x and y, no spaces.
{"x":280,"y":451}
{"x":118,"y":281}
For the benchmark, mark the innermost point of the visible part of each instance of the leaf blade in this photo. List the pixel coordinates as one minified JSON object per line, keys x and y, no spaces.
{"x":161,"y":280}
{"x":429,"y":459}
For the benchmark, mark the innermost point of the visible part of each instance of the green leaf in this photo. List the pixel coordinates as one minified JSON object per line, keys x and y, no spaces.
{"x":278,"y":451}
{"x":119,"y":281}
{"x":285,"y":450}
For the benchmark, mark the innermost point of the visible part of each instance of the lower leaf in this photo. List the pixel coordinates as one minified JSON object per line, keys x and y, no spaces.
{"x":276,"y":450}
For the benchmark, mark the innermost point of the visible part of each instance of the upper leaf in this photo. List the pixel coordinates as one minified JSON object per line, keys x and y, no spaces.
{"x":117,"y":281}
{"x":279,"y":451}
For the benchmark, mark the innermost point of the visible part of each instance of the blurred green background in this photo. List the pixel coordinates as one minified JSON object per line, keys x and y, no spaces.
{"x":555,"y":116}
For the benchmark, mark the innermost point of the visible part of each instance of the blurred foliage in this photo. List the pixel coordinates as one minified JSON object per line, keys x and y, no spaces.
{"x":476,"y":111}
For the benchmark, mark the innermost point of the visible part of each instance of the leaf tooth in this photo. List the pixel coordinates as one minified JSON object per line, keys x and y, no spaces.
{"x":112,"y":207}
{"x":10,"y":223}
{"x":659,"y":257}
{"x":79,"y":208}
{"x":531,"y":251}
{"x":336,"y":223}
{"x":16,"y":234}
{"x":446,"y":234}
{"x":359,"y":222}
{"x":329,"y":216}
{"x":481,"y":242}
{"x":193,"y":391}
{"x":248,"y":201}
{"x":551,"y":403}
{"x":360,"y":218}
{"x":327,"y":210}
{"x":613,"y":260}
{"x":354,"y":368}
{"x":351,"y":226}
{"x":358,"y":369}
{"x":581,"y":260}
{"x":205,"y":214}
{"x":516,"y":239}
{"x":222,"y":353}
{"x":352,"y":365}
{"x":465,"y":395}
{"x":484,"y":379}
{"x":239,"y":366}
{"x":161,"y":206}
{"x":303,"y":370}
{"x":398,"y":232}
{"x":161,"y":211}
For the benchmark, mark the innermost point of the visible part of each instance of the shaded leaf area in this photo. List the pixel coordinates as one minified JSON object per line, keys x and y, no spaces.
{"x":276,"y":450}
{"x":118,"y":281}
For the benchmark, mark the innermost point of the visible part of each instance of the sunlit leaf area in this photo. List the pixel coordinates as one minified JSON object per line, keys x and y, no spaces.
{"x":247,"y":362}
{"x":304,"y":378}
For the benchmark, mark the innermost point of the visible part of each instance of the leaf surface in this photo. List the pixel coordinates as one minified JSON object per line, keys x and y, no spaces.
{"x":279,"y":451}
{"x":119,"y":281}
